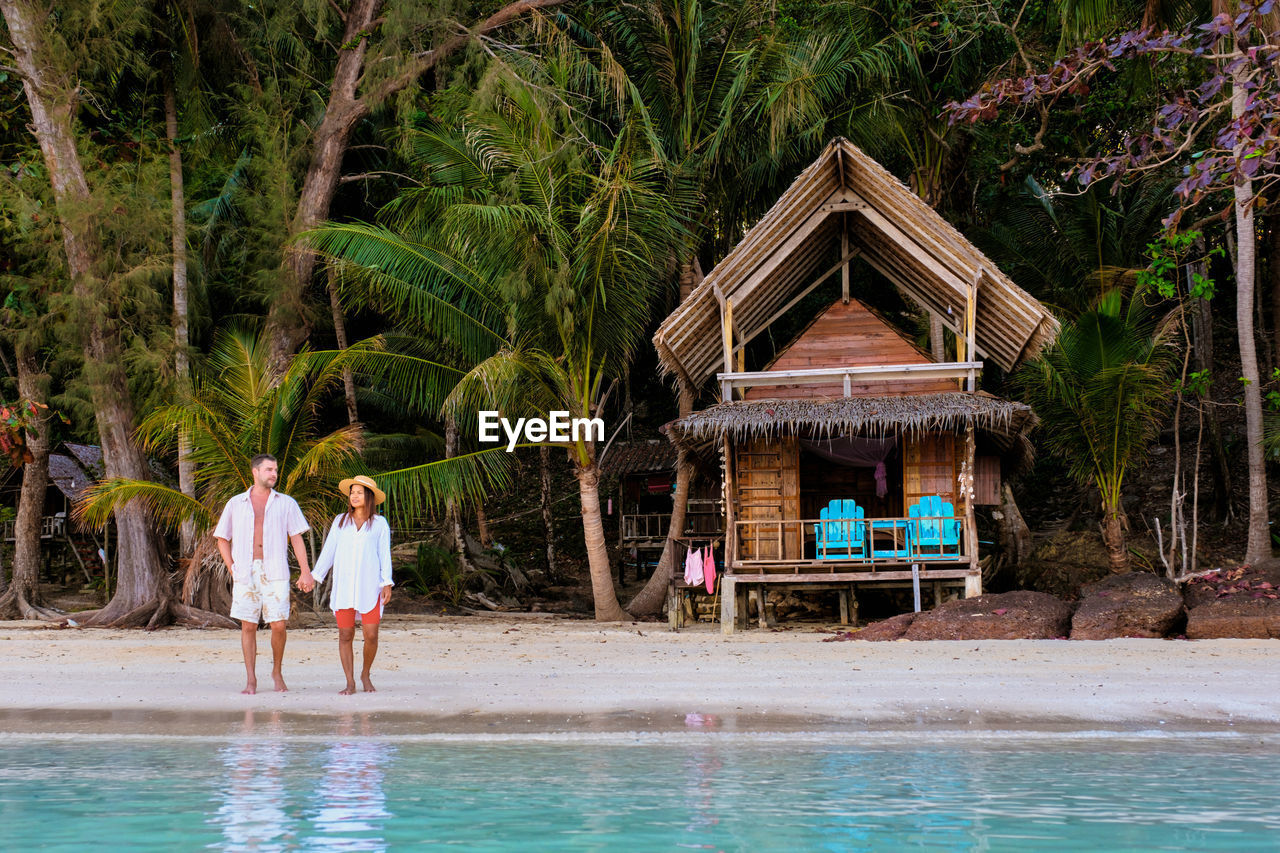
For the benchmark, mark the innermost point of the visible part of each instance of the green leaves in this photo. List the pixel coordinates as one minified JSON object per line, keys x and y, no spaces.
{"x":1100,"y":391}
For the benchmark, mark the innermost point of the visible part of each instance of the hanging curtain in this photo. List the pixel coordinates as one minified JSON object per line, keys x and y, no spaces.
{"x":858,"y":453}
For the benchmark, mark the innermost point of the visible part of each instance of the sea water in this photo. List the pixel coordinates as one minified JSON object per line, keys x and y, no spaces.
{"x":641,"y":791}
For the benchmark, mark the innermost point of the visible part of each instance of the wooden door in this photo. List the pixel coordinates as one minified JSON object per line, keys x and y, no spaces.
{"x":930,"y":466}
{"x":767,"y":473}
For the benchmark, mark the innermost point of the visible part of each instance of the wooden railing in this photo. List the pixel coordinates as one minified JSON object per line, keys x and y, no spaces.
{"x":50,"y":526}
{"x":966,"y":370}
{"x":649,"y":525}
{"x":857,"y":541}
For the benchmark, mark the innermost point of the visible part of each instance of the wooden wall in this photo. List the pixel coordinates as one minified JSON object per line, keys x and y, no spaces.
{"x":767,"y":486}
{"x":986,"y":483}
{"x":849,"y":335}
{"x":931,"y":466}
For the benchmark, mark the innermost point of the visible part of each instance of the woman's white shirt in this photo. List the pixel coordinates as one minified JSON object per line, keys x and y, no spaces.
{"x":361,"y":563}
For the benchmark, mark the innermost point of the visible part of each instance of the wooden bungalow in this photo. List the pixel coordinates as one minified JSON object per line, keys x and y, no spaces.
{"x":852,"y":457}
{"x":646,"y":474}
{"x":64,"y":543}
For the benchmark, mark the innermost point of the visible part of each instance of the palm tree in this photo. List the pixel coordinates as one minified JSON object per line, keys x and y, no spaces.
{"x":531,"y":257}
{"x":239,"y":409}
{"x":733,"y":104}
{"x":1101,"y":391}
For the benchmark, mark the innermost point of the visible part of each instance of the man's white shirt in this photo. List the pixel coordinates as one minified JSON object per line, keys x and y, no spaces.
{"x":281,"y":519}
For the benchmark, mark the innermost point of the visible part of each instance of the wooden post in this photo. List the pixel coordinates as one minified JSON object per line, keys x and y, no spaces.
{"x":728,"y":604}
{"x":726,"y":338}
{"x":730,"y":527}
{"x":970,"y":328}
{"x":844,"y":253}
{"x":973,"y":582}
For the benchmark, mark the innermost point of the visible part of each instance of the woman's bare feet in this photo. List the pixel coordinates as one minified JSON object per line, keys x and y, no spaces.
{"x":348,"y":690}
{"x":280,"y":685}
{"x":368,"y":684}
{"x":250,"y":688}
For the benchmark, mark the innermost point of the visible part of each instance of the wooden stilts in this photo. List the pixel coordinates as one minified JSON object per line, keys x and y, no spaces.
{"x":915,"y":585}
{"x":728,"y":605}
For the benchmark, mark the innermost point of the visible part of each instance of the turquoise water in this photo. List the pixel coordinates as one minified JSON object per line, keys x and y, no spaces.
{"x":641,"y":792}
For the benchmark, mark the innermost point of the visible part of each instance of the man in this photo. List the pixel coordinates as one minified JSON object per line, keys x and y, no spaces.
{"x":253,"y":536}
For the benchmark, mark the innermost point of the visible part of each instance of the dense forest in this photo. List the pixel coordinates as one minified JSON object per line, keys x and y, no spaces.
{"x":333,"y":230}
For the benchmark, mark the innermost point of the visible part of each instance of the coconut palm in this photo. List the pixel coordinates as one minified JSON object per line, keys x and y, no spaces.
{"x":239,"y":409}
{"x":530,"y":257}
{"x":1101,"y":391}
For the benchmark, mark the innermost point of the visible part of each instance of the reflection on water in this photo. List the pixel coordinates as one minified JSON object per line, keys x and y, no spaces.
{"x":350,"y":807}
{"x":262,"y":790}
{"x":252,"y":814}
{"x":260,"y":803}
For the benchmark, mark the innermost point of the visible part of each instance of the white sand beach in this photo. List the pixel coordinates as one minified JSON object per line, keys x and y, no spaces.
{"x":548,"y":673}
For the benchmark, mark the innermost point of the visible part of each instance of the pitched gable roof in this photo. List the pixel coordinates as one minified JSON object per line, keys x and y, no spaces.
{"x":892,"y":229}
{"x":849,"y":335}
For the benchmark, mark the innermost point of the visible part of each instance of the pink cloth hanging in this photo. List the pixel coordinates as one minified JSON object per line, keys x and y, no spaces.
{"x":709,"y":569}
{"x":693,"y":567}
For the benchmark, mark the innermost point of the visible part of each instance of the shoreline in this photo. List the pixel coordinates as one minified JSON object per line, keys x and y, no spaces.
{"x":505,"y":675}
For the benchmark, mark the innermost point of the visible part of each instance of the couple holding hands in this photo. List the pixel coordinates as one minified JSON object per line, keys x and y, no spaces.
{"x":254,"y":534}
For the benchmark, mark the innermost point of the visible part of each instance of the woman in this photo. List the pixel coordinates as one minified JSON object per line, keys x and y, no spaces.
{"x":358,"y":549}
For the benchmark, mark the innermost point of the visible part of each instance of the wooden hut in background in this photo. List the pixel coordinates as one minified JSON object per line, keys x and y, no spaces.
{"x":852,"y":457}
{"x":646,"y":473}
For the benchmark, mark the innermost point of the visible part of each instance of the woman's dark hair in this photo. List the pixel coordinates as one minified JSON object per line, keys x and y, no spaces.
{"x":368,"y":501}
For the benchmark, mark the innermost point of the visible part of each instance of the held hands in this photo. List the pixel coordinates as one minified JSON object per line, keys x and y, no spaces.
{"x":306,"y":582}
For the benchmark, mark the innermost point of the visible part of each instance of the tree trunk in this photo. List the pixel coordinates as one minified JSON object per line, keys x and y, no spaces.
{"x":455,"y":533}
{"x":1273,"y":269}
{"x":602,"y":591}
{"x":340,"y":332}
{"x":548,"y":520}
{"x":1258,"y":546}
{"x":22,"y":599}
{"x":288,"y":324}
{"x":51,"y":97}
{"x":937,"y":338}
{"x":1219,"y":465}
{"x":181,"y":341}
{"x":1014,"y":533}
{"x":482,"y":526}
{"x":1113,"y":538}
{"x":650,"y":599}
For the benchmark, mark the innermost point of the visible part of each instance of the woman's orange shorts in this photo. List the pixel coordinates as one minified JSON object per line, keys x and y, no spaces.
{"x":347,"y":618}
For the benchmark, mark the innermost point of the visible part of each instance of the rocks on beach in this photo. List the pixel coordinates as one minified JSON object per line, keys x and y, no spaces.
{"x":1136,"y":604}
{"x":1241,"y":602}
{"x":1020,"y":615}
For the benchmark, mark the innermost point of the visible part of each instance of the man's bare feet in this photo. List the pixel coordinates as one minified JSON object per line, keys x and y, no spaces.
{"x":348,"y":690}
{"x":280,"y":685}
{"x":368,"y":685}
{"x":250,"y":688}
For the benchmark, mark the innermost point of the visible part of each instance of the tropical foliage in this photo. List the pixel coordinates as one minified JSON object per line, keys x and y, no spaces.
{"x":498,"y":202}
{"x":1101,"y":391}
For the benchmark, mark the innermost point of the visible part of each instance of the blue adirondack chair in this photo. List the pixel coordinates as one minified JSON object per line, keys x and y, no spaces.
{"x":840,"y":534}
{"x":934,"y":531}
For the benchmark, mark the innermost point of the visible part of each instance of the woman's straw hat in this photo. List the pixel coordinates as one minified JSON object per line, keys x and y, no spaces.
{"x":360,"y":479}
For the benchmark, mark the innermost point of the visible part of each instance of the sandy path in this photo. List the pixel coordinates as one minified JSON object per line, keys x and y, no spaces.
{"x":545,"y":671}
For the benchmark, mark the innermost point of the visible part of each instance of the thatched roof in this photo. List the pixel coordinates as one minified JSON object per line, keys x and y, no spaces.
{"x":639,"y":457}
{"x":894,"y":231}
{"x":1005,"y":422}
